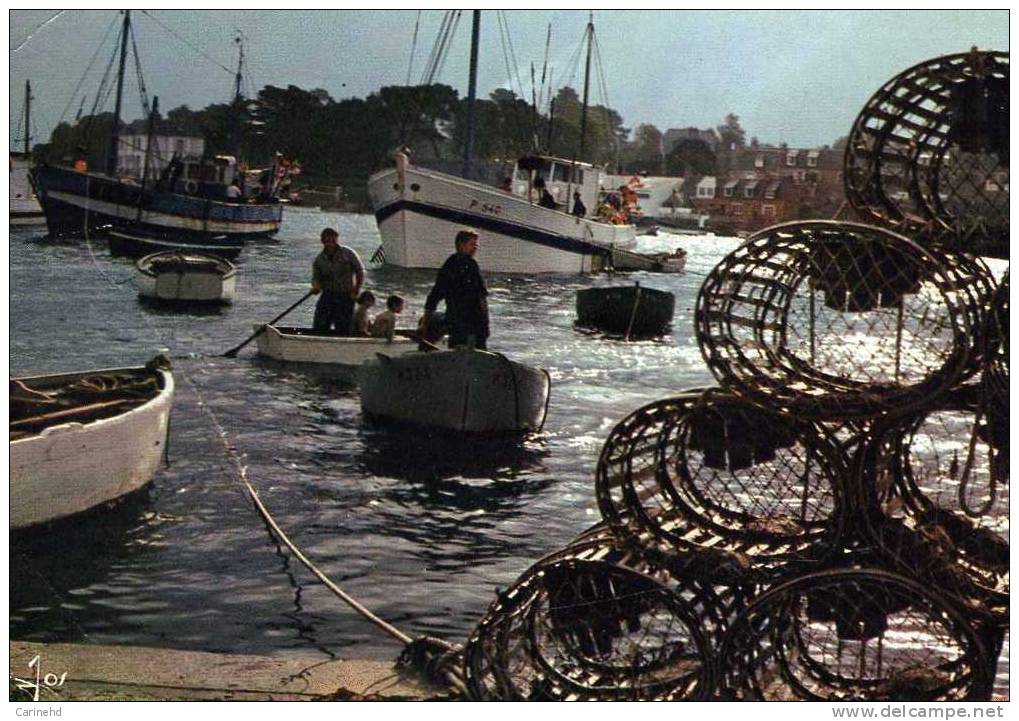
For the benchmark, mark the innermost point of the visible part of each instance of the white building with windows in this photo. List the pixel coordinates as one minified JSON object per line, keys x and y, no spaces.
{"x":131,"y":155}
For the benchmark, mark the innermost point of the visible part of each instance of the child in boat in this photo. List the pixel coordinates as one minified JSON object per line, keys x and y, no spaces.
{"x":384,"y":325}
{"x":362,"y":325}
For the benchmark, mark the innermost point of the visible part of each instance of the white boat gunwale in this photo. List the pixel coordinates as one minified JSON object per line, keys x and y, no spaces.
{"x":224,"y":268}
{"x":136,"y":469}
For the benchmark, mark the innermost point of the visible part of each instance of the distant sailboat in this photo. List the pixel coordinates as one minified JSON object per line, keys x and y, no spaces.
{"x":419,"y":211}
{"x":190,"y":198}
{"x":24,"y":205}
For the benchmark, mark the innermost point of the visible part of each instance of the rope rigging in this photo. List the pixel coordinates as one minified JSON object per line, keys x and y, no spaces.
{"x":189,"y":44}
{"x":88,"y":68}
{"x":413,"y":46}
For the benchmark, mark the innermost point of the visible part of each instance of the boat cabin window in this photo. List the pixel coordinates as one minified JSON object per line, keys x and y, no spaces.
{"x":561,"y":173}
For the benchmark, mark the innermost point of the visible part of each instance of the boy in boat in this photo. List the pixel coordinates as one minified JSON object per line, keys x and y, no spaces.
{"x":384,"y":325}
{"x":362,"y":326}
{"x":460,"y":284}
{"x":337,"y":274}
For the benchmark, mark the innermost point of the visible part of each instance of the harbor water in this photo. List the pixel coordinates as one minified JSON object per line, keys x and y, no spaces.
{"x":422,"y":529}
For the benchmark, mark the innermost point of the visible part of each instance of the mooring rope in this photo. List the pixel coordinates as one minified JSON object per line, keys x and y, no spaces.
{"x":435,"y":659}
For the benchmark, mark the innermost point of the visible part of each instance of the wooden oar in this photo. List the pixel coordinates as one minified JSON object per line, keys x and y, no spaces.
{"x":232,"y":353}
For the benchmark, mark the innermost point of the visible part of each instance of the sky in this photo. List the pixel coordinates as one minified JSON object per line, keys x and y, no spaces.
{"x":792,"y":76}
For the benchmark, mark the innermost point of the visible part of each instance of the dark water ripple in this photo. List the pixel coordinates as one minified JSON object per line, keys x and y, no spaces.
{"x":421,"y":528}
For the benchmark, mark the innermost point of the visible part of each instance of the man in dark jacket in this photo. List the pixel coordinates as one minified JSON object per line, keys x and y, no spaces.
{"x":460,"y":284}
{"x":338,"y":274}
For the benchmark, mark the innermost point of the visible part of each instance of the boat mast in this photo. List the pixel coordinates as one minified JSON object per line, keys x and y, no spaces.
{"x":472,"y":87}
{"x":240,"y":69}
{"x":587,"y":84}
{"x":28,"y":115}
{"x":148,"y":153}
{"x":111,"y":159}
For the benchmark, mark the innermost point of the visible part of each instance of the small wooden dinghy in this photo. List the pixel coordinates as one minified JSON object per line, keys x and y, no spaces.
{"x":187,"y":277}
{"x":135,"y":244}
{"x":81,"y":440}
{"x":303,"y":345}
{"x":627,"y":310}
{"x":462,"y":390}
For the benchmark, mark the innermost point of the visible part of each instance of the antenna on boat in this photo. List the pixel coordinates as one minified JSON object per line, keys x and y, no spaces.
{"x":472,"y":88}
{"x":111,"y":158}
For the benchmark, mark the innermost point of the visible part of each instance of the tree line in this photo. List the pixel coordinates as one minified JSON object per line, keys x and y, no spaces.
{"x":335,"y":140}
{"x":342,"y":142}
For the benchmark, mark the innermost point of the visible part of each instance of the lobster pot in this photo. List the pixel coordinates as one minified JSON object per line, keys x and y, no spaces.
{"x":995,"y":377}
{"x":834,"y":321}
{"x":854,"y":635}
{"x":928,"y":154}
{"x":707,"y":470}
{"x":598,"y":621}
{"x":936,"y":479}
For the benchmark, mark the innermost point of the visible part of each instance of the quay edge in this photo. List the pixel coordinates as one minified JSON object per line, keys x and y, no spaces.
{"x":134,"y":673}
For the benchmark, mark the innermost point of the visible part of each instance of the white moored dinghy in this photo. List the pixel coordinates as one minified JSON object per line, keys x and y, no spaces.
{"x":303,"y":345}
{"x":463,"y":390}
{"x":81,"y":440}
{"x":186,"y":277}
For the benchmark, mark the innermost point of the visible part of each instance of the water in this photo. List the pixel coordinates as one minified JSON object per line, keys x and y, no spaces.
{"x":421,"y":530}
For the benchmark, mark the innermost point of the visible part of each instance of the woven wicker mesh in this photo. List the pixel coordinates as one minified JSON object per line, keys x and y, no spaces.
{"x":834,"y":321}
{"x":707,"y":470}
{"x":928,"y":154}
{"x":598,"y":621}
{"x":854,"y":634}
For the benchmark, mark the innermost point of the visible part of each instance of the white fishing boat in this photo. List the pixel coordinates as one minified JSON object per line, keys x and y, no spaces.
{"x":82,"y":440}
{"x":527,"y":227}
{"x":186,"y":277}
{"x":419,"y":211}
{"x":463,"y":390}
{"x":303,"y":345}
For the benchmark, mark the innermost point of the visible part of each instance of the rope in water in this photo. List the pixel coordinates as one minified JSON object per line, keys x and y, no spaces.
{"x":433,"y":657}
{"x":231,"y":453}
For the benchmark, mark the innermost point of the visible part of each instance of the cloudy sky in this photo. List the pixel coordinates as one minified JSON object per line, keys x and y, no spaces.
{"x":792,"y":76}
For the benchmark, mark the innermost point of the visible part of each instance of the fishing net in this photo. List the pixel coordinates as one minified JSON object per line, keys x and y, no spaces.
{"x":928,"y":154}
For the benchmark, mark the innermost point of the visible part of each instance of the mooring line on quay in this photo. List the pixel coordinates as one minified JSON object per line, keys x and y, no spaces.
{"x":434,"y":658}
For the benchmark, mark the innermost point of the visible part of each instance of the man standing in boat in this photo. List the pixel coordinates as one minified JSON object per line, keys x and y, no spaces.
{"x":337,"y":274}
{"x":460,"y":284}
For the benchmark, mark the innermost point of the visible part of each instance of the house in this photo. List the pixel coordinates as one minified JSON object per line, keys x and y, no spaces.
{"x":745,"y":205}
{"x":167,"y":142}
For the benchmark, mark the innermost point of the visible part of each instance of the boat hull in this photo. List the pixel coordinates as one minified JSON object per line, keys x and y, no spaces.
{"x":73,"y":467}
{"x":78,"y":202}
{"x":460,"y":390}
{"x":291,"y":345}
{"x":418,"y":219}
{"x":626,"y":310}
{"x":134,"y":245}
{"x":173,"y":276}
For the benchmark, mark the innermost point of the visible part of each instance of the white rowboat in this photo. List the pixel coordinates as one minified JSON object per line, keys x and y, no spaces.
{"x":302,"y":345}
{"x":186,"y":277}
{"x":81,"y":440}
